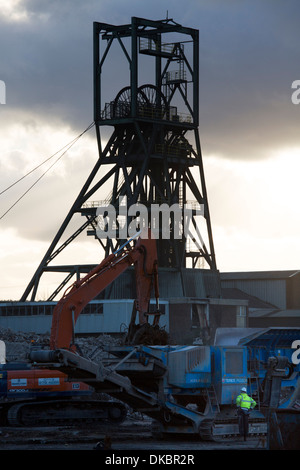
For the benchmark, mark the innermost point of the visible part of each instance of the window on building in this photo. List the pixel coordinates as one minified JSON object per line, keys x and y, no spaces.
{"x":93,"y":308}
{"x":241,"y":317}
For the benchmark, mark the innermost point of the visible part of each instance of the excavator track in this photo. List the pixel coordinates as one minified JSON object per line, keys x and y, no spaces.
{"x":216,"y":430}
{"x":62,"y":412}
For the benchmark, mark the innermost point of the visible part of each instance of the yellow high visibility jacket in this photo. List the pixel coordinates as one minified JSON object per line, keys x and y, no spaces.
{"x":244,"y":401}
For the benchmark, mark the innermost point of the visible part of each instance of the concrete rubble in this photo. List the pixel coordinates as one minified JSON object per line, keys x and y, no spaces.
{"x":18,"y":344}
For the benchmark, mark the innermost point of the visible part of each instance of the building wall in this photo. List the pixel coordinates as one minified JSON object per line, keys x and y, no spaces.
{"x":186,"y":326}
{"x":113,"y":317}
{"x":273,"y":291}
{"x":273,"y":321}
{"x":293,"y":291}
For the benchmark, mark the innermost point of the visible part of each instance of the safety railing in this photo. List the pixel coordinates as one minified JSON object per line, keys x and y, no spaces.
{"x":119,"y":110}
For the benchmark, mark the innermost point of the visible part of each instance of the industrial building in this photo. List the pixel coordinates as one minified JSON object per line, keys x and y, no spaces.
{"x":242,"y":299}
{"x":187,"y":316}
{"x":273,"y":296}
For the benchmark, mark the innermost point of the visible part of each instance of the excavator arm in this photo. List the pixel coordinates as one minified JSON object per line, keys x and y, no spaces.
{"x":143,"y":256}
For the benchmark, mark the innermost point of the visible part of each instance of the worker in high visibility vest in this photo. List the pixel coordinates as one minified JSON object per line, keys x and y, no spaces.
{"x":244,"y":404}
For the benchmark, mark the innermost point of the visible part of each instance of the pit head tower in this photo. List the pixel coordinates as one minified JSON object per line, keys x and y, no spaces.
{"x":154,"y":148}
{"x":146,"y":116}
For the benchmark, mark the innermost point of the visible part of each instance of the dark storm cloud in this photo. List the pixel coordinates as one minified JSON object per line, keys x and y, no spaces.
{"x":46,"y":64}
{"x":249,"y":57}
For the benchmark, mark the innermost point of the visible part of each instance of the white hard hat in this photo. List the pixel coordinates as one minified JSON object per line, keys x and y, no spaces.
{"x":243,"y":389}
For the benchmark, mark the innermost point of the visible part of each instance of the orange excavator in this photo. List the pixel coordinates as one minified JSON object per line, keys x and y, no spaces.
{"x":144,"y":258}
{"x":38,"y":396}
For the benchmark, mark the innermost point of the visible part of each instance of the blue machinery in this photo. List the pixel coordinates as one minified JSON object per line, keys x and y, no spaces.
{"x":192,"y":389}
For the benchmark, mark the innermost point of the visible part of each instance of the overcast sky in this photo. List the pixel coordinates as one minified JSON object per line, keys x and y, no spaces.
{"x":249,"y":127}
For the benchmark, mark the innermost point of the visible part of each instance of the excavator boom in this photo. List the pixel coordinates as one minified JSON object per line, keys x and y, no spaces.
{"x":143,"y":256}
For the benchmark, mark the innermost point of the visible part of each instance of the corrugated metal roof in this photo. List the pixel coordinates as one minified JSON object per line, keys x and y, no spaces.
{"x":260,"y":313}
{"x":258,"y":275}
{"x":170,"y":284}
{"x":254,"y":302}
{"x":212,"y":283}
{"x":201,"y":283}
{"x":273,"y":291}
{"x":194,"y":283}
{"x":286,"y":313}
{"x":123,"y":287}
{"x":271,"y":313}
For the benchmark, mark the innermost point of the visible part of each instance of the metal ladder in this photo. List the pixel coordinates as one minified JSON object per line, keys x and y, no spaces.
{"x":212,"y":399}
{"x":257,"y":388}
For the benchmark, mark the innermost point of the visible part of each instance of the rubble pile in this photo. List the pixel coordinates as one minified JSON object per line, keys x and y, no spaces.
{"x":18,"y":344}
{"x":93,"y":347}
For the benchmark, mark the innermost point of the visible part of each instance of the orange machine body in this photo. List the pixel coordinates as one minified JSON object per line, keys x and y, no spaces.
{"x":23,"y":382}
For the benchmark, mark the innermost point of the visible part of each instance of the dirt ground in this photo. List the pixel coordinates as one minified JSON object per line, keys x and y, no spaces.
{"x":131,"y":435}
